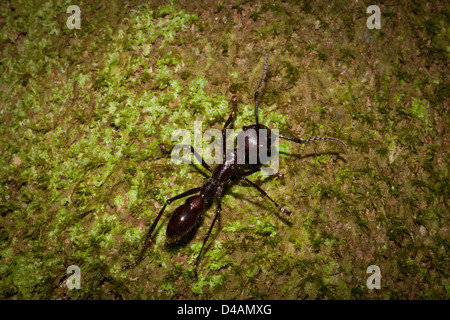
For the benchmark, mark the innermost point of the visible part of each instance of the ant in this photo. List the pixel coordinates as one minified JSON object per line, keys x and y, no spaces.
{"x":230,"y":172}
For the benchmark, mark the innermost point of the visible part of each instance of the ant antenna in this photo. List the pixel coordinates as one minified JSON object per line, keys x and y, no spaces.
{"x":266,"y":62}
{"x":314,"y":139}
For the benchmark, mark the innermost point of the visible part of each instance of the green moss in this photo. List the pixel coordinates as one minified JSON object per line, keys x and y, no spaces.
{"x":85,"y":112}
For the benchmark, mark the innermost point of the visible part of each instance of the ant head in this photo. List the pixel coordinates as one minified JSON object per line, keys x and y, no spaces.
{"x":254,"y":138}
{"x":255,"y":127}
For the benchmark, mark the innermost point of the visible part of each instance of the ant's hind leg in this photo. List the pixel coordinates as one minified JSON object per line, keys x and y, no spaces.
{"x":219,"y":209}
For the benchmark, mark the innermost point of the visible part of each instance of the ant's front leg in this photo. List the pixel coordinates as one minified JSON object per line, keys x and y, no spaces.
{"x":266,"y":62}
{"x":195,"y":153}
{"x":227,"y":123}
{"x":233,"y":112}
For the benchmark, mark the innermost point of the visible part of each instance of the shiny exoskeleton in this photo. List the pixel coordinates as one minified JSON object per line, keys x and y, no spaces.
{"x":230,"y":172}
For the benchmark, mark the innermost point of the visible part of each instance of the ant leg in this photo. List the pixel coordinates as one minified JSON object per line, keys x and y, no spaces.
{"x":285,"y":211}
{"x":233,"y":112}
{"x":218,"y":210}
{"x":152,"y":228}
{"x":227,"y":123}
{"x":199,"y":158}
{"x":266,"y":62}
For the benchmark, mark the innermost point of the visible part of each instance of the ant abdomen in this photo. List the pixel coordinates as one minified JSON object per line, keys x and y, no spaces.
{"x":184,"y":218}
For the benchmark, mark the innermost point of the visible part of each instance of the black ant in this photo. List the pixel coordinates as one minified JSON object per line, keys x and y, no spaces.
{"x":230,"y":172}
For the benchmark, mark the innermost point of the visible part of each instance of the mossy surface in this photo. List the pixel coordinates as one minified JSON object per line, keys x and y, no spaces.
{"x":84,"y":113}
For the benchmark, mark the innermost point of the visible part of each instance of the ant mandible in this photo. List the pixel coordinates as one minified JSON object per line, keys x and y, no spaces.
{"x":230,"y":172}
